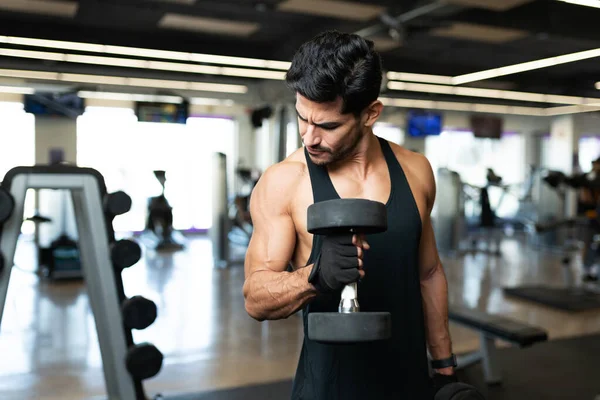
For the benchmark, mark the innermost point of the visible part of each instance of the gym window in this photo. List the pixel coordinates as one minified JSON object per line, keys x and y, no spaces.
{"x":127,"y":152}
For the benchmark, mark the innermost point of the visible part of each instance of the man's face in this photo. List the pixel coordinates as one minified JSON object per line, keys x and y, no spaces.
{"x":328,"y":135}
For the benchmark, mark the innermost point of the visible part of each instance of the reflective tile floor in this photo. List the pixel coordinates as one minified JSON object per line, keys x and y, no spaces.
{"x":49,"y":348}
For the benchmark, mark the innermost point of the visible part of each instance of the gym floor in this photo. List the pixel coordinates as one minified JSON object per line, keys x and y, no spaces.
{"x":49,"y":345}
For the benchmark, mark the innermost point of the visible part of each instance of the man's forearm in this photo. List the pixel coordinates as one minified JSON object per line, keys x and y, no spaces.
{"x":434,"y":289}
{"x":276,"y":295}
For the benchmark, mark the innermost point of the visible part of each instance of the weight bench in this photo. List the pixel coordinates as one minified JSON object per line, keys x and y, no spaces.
{"x":490,"y":328}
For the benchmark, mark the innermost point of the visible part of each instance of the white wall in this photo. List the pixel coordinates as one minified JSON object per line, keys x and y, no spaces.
{"x":11,"y":97}
{"x":460,"y":120}
{"x":588,"y":124}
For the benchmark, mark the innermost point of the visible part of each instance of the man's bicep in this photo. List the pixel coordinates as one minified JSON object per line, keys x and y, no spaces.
{"x":428,"y":253}
{"x":274,"y":236}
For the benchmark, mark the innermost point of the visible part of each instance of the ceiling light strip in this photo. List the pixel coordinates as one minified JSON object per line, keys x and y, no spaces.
{"x":488,"y":108}
{"x":129,"y":97}
{"x":425,"y":78}
{"x":527,"y":66}
{"x":490,"y":93}
{"x":468,"y":107}
{"x":204,"y":101}
{"x":125,"y":81}
{"x":144,"y":64}
{"x":150,"y":53}
{"x":575,"y":109}
{"x":16,"y":90}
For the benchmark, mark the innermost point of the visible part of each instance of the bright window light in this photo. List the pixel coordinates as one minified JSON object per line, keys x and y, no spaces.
{"x":183,"y":151}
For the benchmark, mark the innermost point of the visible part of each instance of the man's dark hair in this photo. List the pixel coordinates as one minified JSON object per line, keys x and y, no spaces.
{"x":333,"y":65}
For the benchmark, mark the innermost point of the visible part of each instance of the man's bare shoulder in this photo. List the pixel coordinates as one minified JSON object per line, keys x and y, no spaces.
{"x":280,"y":180}
{"x":417,"y":167}
{"x":416,"y":162}
{"x":290,"y":170}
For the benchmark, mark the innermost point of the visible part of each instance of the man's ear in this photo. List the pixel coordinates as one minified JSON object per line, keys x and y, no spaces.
{"x":372,"y":113}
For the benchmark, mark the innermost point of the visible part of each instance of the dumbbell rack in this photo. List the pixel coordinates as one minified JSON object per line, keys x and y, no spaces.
{"x":103,"y":283}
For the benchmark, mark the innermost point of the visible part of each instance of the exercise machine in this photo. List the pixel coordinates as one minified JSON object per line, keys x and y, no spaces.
{"x":464,"y":215}
{"x":221,"y":224}
{"x":60,"y":259}
{"x":239,"y":209}
{"x":464,"y":211}
{"x":566,"y":233}
{"x":159,"y":233}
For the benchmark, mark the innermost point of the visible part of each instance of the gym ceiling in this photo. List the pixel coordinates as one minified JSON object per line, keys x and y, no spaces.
{"x":430,"y":48}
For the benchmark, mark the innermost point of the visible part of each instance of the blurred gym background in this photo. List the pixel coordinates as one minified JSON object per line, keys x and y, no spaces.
{"x":181,"y":105}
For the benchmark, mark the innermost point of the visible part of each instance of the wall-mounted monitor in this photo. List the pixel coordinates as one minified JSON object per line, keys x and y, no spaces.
{"x":486,"y":126}
{"x":54,"y":104}
{"x":420,"y":123}
{"x":162,"y":112}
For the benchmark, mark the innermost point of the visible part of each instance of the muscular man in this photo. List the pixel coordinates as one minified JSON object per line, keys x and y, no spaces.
{"x":337,"y":78}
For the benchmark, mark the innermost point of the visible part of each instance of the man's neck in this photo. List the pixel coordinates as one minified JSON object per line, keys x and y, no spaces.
{"x":362,"y":160}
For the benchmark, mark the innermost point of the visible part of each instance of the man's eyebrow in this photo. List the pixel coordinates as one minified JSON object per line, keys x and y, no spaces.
{"x":322,"y":124}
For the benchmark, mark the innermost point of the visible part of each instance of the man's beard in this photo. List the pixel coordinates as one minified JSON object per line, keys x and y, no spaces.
{"x":342,"y":153}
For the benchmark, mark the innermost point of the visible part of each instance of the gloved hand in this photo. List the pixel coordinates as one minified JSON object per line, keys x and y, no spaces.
{"x":338,"y":263}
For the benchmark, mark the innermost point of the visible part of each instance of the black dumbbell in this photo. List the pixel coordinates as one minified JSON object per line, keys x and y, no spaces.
{"x":138,"y":312}
{"x":117,"y":203}
{"x":458,"y":391}
{"x":7,"y":205}
{"x":143,"y":361}
{"x":348,"y":325}
{"x":125,"y":253}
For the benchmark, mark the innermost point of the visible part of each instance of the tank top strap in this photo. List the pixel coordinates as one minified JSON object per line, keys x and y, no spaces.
{"x":396,"y":172}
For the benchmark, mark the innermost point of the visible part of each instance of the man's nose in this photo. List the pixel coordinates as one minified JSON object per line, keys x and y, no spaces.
{"x":310,"y":137}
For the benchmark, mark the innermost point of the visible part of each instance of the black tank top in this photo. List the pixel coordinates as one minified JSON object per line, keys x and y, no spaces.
{"x":395,"y":369}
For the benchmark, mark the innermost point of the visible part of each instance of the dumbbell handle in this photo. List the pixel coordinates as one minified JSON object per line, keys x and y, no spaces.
{"x":349,"y":301}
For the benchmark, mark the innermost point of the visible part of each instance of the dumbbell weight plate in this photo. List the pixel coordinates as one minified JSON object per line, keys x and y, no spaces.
{"x":458,"y":391}
{"x":356,"y":327}
{"x":139,"y":312}
{"x":117,"y":203}
{"x":143,"y":361}
{"x":7,"y":205}
{"x":361,"y":215}
{"x":125,"y":253}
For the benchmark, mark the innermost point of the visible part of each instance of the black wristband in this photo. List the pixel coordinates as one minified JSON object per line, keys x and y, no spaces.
{"x":444,"y":363}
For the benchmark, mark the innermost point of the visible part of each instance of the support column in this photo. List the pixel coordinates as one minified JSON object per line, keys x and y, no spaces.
{"x":52,"y":135}
{"x":564,"y":139}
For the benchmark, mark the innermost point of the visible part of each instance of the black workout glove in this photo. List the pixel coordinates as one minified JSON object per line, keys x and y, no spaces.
{"x":337,"y":264}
